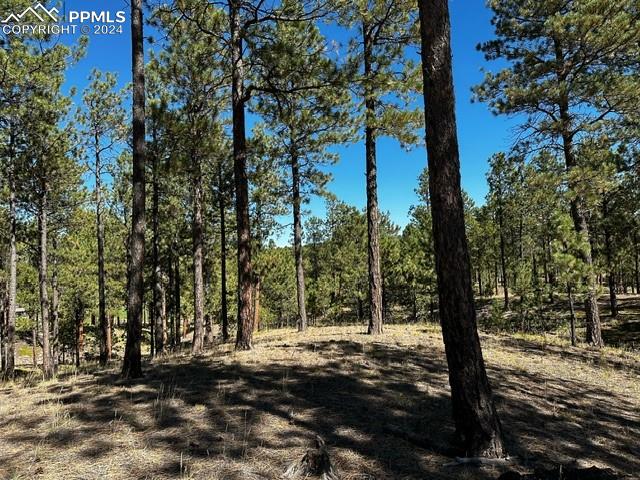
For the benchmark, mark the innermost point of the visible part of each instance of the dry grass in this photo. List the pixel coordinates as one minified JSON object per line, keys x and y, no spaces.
{"x":243,"y":416}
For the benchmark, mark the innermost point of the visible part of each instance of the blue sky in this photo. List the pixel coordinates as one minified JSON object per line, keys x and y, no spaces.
{"x":480,"y":133}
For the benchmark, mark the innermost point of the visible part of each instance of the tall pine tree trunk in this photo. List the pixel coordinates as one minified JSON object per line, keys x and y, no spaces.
{"x":611,"y":276}
{"x":3,"y":329}
{"x":109,"y":345}
{"x":34,"y":344}
{"x":12,"y":281}
{"x":223,"y":258}
{"x":572,"y":318}
{"x":636,"y":267}
{"x":55,"y":304}
{"x":297,"y":243}
{"x":198,"y":279}
{"x":546,"y":245}
{"x":152,"y":324}
{"x":158,"y":313}
{"x":170,"y":302}
{"x":255,"y":298}
{"x":102,"y":300}
{"x":503,"y":262}
{"x":477,"y":425}
{"x":176,"y":300}
{"x":373,"y":236}
{"x":245,"y":320}
{"x":132,"y":365}
{"x":47,"y":364}
{"x":79,"y":318}
{"x":163,"y":307}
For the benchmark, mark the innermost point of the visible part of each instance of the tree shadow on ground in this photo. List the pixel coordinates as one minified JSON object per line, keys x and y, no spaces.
{"x":250,"y":417}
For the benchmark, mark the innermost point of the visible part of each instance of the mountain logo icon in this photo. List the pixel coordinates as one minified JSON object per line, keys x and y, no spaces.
{"x":38,"y":11}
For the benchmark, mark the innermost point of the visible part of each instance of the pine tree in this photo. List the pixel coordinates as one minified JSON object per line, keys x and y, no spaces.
{"x":380,"y":52}
{"x":102,"y":119}
{"x":156,"y":118}
{"x":305,"y":120}
{"x":477,"y":425}
{"x":132,"y":365}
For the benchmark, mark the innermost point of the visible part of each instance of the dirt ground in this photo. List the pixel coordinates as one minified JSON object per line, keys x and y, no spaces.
{"x":244,"y":416}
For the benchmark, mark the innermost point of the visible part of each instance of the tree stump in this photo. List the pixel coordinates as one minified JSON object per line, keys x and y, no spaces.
{"x":315,"y":462}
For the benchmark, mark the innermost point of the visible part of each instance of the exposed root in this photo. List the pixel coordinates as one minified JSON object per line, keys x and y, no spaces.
{"x":478,"y":461}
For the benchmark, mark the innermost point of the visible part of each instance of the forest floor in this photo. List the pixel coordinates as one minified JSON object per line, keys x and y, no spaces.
{"x":248,"y":415}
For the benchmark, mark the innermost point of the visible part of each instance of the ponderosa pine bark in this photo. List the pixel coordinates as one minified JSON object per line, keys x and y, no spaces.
{"x":158,"y":311}
{"x":198,"y":278}
{"x":109,"y":343}
{"x":478,"y":428}
{"x":55,"y":305}
{"x":170,"y":303}
{"x":3,"y":338}
{"x":152,"y":333}
{"x":611,"y":274}
{"x":255,"y":299}
{"x":132,"y":365}
{"x":636,"y":266}
{"x":176,"y":300}
{"x":223,"y":258}
{"x":373,"y":235}
{"x":47,"y":364}
{"x":12,"y":281}
{"x":245,"y":318}
{"x":163,"y":309}
{"x":572,"y":317}
{"x":102,"y":299}
{"x":297,"y":243}
{"x":503,"y":260}
{"x":79,"y":340}
{"x":34,"y":344}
